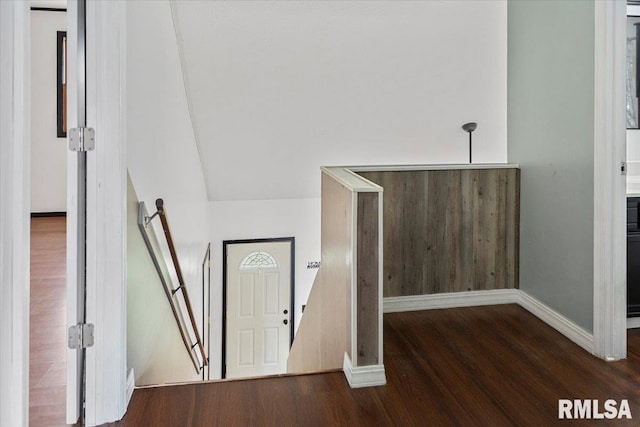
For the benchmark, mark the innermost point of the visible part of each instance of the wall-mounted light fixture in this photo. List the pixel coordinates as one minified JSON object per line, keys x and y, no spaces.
{"x":469,"y":127}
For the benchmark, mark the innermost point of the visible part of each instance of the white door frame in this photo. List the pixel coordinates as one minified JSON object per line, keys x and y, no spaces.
{"x":14,"y":212}
{"x":74,"y":379}
{"x":609,"y":298}
{"x":292,"y":304}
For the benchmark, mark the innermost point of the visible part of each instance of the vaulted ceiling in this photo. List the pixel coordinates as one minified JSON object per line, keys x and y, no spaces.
{"x":277,"y":89}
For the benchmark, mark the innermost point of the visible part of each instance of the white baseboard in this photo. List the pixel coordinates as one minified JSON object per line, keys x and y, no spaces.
{"x":493,"y":297}
{"x":363,"y":376}
{"x":633,"y":322}
{"x":557,"y":321}
{"x":131,"y":385}
{"x":450,"y":300}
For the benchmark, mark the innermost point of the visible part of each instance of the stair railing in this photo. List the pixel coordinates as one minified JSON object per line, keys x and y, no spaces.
{"x":190,"y":336}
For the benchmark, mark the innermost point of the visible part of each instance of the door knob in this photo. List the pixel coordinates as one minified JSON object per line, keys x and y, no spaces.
{"x":285,"y":321}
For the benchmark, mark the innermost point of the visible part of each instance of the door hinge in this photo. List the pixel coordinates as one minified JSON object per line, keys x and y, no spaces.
{"x":81,"y":336}
{"x":623,"y":168}
{"x":82,"y":139}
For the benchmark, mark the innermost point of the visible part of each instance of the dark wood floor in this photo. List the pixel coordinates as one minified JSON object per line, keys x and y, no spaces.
{"x":485,"y":366}
{"x":47,"y":357}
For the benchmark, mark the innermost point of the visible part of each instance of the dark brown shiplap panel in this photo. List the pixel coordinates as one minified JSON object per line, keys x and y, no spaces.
{"x":466,"y":228}
{"x":513,"y":229}
{"x":501,"y":231}
{"x":367,"y":263}
{"x":449,"y":230}
{"x":455,"y":266}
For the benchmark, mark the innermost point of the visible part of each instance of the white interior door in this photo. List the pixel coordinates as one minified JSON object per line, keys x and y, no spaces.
{"x":97,"y":375}
{"x":258,"y":308}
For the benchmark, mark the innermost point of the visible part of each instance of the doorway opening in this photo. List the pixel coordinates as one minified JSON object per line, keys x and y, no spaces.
{"x":48,"y":152}
{"x":258,"y":300}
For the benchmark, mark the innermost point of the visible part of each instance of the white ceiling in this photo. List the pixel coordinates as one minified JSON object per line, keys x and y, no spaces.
{"x":277,"y":89}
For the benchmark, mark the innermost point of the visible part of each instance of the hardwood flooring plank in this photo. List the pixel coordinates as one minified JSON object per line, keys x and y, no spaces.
{"x":47,"y":331}
{"x":448,"y":361}
{"x":477,"y":366}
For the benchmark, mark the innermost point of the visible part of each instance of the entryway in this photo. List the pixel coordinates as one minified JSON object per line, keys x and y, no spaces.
{"x":258,"y":301}
{"x":48,"y":196}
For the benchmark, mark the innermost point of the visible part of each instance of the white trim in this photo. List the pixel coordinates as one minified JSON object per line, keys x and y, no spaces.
{"x":557,"y":321}
{"x":348,"y":175}
{"x":73,"y":360}
{"x":363,"y":376}
{"x":131,"y":385}
{"x":633,"y":10}
{"x":493,"y":297}
{"x":351,"y":180}
{"x":451,"y":300}
{"x":14,"y":212}
{"x":431,"y":167}
{"x":609,"y":151}
{"x":380,"y":278}
{"x":633,"y":322}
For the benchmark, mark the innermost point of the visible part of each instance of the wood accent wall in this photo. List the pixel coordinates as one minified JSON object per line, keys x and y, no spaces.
{"x":449,"y":230}
{"x":324,"y":334}
{"x":367,"y":260}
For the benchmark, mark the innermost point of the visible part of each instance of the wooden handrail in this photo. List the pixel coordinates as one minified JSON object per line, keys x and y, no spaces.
{"x":143,"y":221}
{"x":182,"y":287}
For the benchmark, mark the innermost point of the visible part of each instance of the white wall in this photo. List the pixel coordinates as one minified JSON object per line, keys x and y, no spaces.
{"x":48,"y":152}
{"x":162,"y":157}
{"x":253,"y":219}
{"x":281,"y":88}
{"x":154,"y":347}
{"x":163,"y":160}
